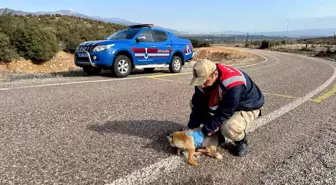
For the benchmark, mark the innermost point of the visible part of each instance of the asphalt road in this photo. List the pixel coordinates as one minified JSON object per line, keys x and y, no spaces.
{"x":103,"y":130}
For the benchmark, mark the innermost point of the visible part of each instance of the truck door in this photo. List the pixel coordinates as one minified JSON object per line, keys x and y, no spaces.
{"x":163,"y":46}
{"x":145,"y":49}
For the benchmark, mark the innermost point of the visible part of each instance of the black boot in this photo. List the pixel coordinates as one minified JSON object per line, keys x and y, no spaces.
{"x":241,"y":147}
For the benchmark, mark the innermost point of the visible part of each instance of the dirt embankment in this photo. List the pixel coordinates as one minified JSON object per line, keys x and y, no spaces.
{"x":227,"y":56}
{"x":63,"y":62}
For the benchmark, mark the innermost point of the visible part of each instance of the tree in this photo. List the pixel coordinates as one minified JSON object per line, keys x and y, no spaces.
{"x":35,"y":43}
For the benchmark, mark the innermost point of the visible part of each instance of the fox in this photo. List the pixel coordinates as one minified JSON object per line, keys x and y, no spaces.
{"x":182,"y":141}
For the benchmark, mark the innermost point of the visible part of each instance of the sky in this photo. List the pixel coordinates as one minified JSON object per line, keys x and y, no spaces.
{"x":210,"y":15}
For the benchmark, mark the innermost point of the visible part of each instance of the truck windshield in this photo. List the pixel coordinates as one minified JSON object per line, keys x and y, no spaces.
{"x":123,"y":34}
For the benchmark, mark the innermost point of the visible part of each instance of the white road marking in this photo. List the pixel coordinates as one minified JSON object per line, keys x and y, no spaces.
{"x":164,"y":166}
{"x":110,"y":80}
{"x":285,"y":109}
{"x":152,"y":172}
{"x":65,"y":83}
{"x":266,"y":59}
{"x":87,"y":81}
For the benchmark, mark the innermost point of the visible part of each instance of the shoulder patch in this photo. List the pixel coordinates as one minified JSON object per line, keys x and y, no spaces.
{"x":237,"y":78}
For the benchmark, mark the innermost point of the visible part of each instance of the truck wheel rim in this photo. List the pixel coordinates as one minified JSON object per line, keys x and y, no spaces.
{"x":123,"y":66}
{"x":177,"y":64}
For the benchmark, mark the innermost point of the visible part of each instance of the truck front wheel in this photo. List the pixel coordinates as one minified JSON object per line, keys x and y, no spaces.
{"x":176,"y":64}
{"x":121,"y":66}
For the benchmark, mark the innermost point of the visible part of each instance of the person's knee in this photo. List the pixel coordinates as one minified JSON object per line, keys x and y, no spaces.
{"x":249,"y":116}
{"x":233,"y":130}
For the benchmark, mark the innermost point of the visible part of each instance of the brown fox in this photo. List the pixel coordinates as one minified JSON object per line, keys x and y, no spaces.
{"x":182,"y":141}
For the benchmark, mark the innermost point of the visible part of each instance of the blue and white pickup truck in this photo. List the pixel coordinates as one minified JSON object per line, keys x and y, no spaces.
{"x":137,"y":47}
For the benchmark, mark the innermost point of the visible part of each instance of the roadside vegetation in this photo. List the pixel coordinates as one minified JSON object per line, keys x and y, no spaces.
{"x":199,"y":43}
{"x":324,"y":47}
{"x":39,"y":38}
{"x":45,"y":43}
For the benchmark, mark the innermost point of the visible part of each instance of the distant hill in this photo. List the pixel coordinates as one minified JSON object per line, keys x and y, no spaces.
{"x":302,"y":27}
{"x":319,"y":32}
{"x":114,"y":20}
{"x":306,"y":27}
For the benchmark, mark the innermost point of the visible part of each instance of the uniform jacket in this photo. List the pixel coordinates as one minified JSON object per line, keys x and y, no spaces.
{"x":233,"y":90}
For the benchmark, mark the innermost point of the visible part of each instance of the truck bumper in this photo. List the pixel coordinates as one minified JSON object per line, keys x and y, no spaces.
{"x":84,"y":58}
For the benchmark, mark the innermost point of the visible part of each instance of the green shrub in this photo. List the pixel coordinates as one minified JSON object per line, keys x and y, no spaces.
{"x":71,"y":43}
{"x":34,"y":43}
{"x":264,"y":44}
{"x":204,"y":44}
{"x":195,"y":42}
{"x":198,"y":43}
{"x":7,"y":51}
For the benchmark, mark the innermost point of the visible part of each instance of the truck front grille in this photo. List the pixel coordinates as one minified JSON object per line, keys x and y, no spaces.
{"x":86,"y":48}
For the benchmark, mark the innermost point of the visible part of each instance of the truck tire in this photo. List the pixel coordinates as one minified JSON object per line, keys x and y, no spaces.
{"x":122,"y":66}
{"x":92,"y":70}
{"x":175,"y":65}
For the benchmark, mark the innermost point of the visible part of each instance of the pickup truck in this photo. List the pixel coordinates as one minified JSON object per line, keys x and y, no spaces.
{"x":136,"y":47}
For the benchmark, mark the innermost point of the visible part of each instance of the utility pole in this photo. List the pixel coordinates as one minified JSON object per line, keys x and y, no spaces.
{"x":269,"y":40}
{"x":246,"y":45}
{"x":287,"y":31}
{"x":222,"y":35}
{"x":254,"y":35}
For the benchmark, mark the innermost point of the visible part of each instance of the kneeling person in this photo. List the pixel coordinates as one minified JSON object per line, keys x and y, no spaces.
{"x":226,"y":100}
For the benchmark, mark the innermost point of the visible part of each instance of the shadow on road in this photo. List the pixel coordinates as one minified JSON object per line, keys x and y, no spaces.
{"x":150,"y":129}
{"x":104,"y":73}
{"x":74,"y":73}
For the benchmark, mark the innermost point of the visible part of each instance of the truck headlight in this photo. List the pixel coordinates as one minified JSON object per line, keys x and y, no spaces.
{"x":103,"y":47}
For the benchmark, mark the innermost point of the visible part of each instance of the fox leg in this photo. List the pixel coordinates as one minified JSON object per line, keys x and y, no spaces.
{"x":191,"y":157}
{"x":213,"y":152}
{"x":196,"y":154}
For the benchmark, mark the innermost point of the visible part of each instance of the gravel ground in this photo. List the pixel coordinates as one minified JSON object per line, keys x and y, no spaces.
{"x":94,"y":130}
